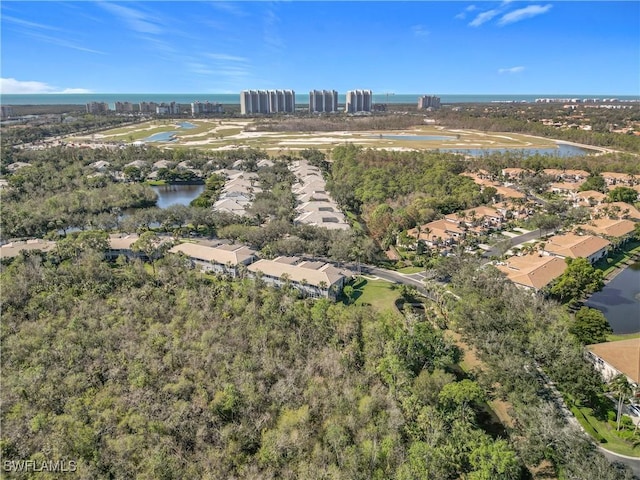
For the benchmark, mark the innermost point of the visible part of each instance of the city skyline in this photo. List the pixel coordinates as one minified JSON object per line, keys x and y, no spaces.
{"x":408,"y":47}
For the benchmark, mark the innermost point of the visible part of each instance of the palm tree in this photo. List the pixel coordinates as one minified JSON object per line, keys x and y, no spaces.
{"x":619,"y":385}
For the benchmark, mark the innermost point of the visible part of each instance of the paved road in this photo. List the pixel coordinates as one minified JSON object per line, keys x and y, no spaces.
{"x":512,"y":242}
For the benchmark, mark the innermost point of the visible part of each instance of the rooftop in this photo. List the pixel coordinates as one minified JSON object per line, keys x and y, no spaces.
{"x":533,"y":271}
{"x":575,"y":246}
{"x":223,"y":254}
{"x":623,"y":355}
{"x":299,"y":273}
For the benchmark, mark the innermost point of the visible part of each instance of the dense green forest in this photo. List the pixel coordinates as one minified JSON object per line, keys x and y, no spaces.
{"x":165,"y":373}
{"x":174,"y":375}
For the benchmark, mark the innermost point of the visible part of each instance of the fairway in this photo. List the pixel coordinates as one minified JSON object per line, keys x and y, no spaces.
{"x":216,"y":134}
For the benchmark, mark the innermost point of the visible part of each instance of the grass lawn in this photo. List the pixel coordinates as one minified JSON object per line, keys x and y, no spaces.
{"x":411,"y":270}
{"x":612,"y":441}
{"x":626,"y":336}
{"x":379,"y":294}
{"x":613,"y":261}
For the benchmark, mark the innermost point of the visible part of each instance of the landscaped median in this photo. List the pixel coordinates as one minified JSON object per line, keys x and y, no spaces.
{"x":604,"y":432}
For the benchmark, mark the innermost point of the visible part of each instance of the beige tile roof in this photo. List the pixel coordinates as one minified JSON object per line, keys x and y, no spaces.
{"x":232,"y":254}
{"x":570,"y":186}
{"x":533,"y":271}
{"x":122,"y":242}
{"x":296,"y":273}
{"x":13,"y":249}
{"x":609,"y":227}
{"x":624,"y":177}
{"x":575,"y":246}
{"x":597,"y":196}
{"x":623,"y":355}
{"x":508,"y":192}
{"x":631,"y":211}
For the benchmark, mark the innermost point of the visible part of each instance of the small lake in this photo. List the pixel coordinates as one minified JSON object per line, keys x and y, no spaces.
{"x":187,"y":125}
{"x":176,"y":194}
{"x":160,"y":137}
{"x":563,"y":150}
{"x":619,"y":300}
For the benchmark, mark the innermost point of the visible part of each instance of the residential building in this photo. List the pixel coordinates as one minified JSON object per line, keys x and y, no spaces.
{"x":428,"y":101}
{"x":13,"y":249}
{"x":224,"y":259}
{"x":359,"y":101}
{"x":6,"y":111}
{"x":577,"y":246}
{"x":323,"y":101}
{"x":438,"y":233}
{"x":97,"y":107}
{"x":122,"y":244}
{"x":267,"y":101}
{"x":198,"y":108}
{"x":615,"y":179}
{"x":168,"y":109}
{"x":588,"y":198}
{"x":618,"y":210}
{"x":532,"y":271}
{"x":148,"y":107}
{"x":615,"y":358}
{"x":125,"y":107}
{"x":609,"y":227}
{"x":313,"y":279}
{"x":482,"y":216}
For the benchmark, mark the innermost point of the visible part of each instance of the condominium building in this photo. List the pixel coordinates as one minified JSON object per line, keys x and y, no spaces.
{"x":323,"y":101}
{"x":206,"y":107}
{"x":148,"y":107}
{"x":428,"y":101}
{"x":125,"y":107}
{"x":267,"y":101}
{"x":7,"y":111}
{"x":168,"y":108}
{"x":358,"y":101}
{"x":97,"y":107}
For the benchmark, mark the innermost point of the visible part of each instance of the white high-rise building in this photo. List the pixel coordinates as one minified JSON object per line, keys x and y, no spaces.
{"x":267,"y":101}
{"x":323,"y":101}
{"x":358,"y":101}
{"x":429,"y":101}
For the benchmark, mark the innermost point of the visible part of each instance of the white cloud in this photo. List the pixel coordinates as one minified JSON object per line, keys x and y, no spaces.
{"x":224,"y":56}
{"x":25,"y":23}
{"x":523,"y":13}
{"x":517,"y":69}
{"x":462,"y":15}
{"x":13,"y":86}
{"x":419,"y":31}
{"x":483,"y":17}
{"x":135,"y":19}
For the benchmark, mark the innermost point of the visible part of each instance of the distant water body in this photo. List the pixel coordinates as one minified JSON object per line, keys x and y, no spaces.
{"x":234,"y":98}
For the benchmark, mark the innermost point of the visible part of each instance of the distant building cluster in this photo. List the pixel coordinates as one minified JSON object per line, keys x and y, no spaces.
{"x":198,"y":108}
{"x":97,"y":107}
{"x":577,"y":100}
{"x":170,"y":108}
{"x":267,"y":101}
{"x":359,"y":101}
{"x":323,"y":101}
{"x":428,"y":101}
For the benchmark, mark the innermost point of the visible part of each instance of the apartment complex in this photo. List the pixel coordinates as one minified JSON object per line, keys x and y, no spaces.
{"x":359,"y":101}
{"x":126,"y":107}
{"x":267,"y":101}
{"x":323,"y":101}
{"x":97,"y":107}
{"x":206,"y":107}
{"x":428,"y":101}
{"x":7,"y":111}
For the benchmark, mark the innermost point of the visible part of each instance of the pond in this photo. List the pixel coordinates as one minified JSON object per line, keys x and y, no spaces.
{"x":563,"y":150}
{"x":187,"y":125}
{"x":176,"y":194}
{"x":619,"y":300}
{"x":160,"y":137}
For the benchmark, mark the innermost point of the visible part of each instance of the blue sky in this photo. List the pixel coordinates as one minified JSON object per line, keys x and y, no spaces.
{"x":511,"y":47}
